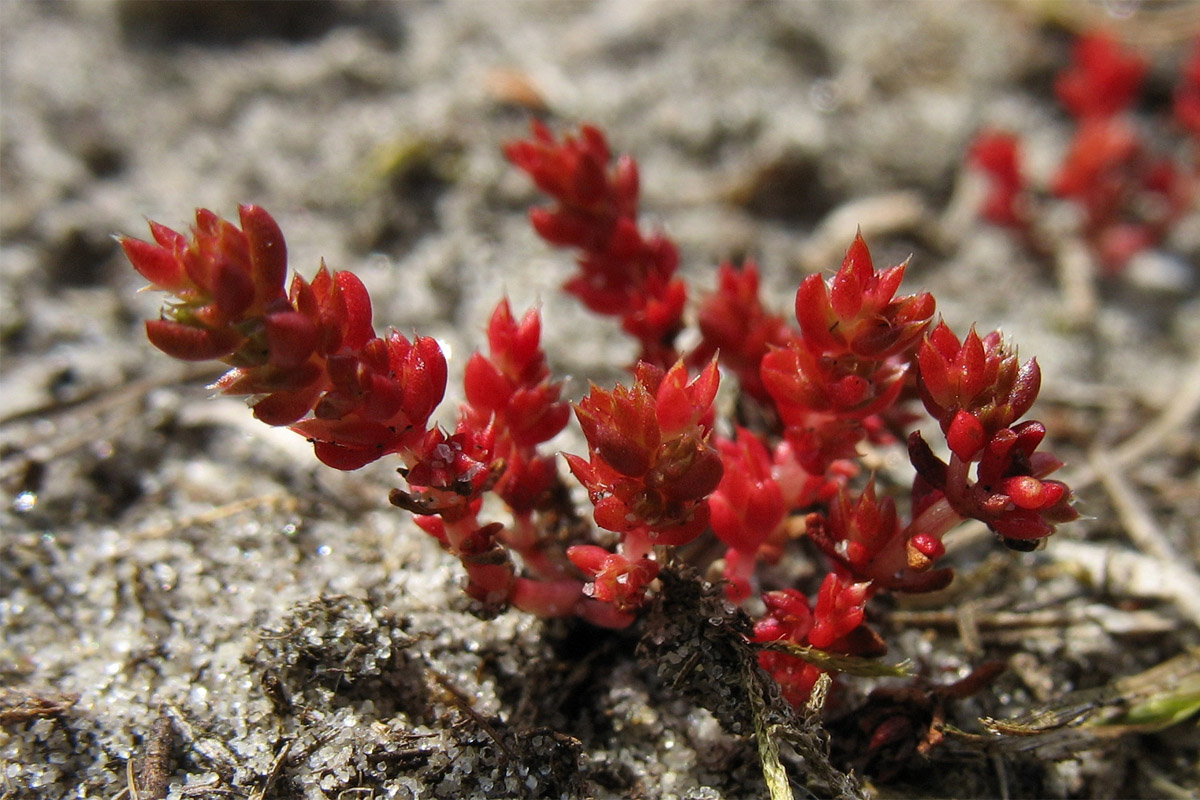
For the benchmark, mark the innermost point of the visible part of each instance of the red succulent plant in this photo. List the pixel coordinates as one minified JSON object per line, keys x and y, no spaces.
{"x":662,"y":471}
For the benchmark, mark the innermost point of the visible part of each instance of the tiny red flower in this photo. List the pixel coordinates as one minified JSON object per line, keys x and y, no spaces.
{"x":746,"y":509}
{"x":1020,"y":504}
{"x":788,"y":617}
{"x":513,"y":382}
{"x":839,"y":610}
{"x":380,"y":400}
{"x":311,"y":351}
{"x":575,"y":170}
{"x":863,"y":529}
{"x":222,"y":277}
{"x":747,"y":505}
{"x":1010,"y":494}
{"x":449,"y":473}
{"x":864,"y":538}
{"x":802,"y":383}
{"x":528,"y":482}
{"x":850,"y":360}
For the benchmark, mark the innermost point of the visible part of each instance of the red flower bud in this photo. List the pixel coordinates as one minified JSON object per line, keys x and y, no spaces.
{"x":924,"y":550}
{"x":788,"y":617}
{"x":286,"y":407}
{"x":622,"y":272}
{"x":679,"y":405}
{"x":621,"y":427}
{"x":1186,"y":100}
{"x":642,"y":471}
{"x":735,"y":325}
{"x":965,"y":436}
{"x":997,"y":155}
{"x":420,"y":367}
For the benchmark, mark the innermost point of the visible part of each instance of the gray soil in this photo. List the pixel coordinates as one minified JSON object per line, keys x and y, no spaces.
{"x":192,"y":606}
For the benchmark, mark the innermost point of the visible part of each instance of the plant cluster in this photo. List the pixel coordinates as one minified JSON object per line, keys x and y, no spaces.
{"x":780,"y":478}
{"x":1128,"y":195}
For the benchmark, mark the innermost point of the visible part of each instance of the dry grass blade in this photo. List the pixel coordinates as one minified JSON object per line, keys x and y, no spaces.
{"x":1161,"y":696}
{"x":1184,"y":405}
{"x":1076,"y":271}
{"x":1141,"y":527}
{"x":17,"y":706}
{"x":74,"y":424}
{"x":279,"y":501}
{"x":1130,"y":574}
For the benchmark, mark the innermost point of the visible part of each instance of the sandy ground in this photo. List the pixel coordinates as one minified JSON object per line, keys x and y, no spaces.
{"x":190,"y":598}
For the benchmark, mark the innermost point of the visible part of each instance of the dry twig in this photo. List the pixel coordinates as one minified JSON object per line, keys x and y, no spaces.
{"x":273,"y":774}
{"x":21,"y":706}
{"x":1142,"y":528}
{"x":1133,"y":574}
{"x":463,"y":704}
{"x":155,"y":771}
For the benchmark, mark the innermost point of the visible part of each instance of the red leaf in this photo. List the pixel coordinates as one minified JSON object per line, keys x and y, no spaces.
{"x":232,"y":288}
{"x":353,"y":296}
{"x":344,"y":458}
{"x":291,"y":338}
{"x":268,"y":252}
{"x":189,"y":343}
{"x":284,"y":408}
{"x":156,"y":264}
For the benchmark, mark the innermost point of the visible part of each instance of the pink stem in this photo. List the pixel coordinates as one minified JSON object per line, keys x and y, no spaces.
{"x":940,"y":517}
{"x":604,"y":615}
{"x":547,"y":598}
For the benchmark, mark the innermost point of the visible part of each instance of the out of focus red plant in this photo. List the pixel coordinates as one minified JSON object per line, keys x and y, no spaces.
{"x":1128,"y":194}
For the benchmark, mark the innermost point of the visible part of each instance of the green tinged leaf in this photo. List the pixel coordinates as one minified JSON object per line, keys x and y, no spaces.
{"x":1157,"y":698}
{"x":836,"y":662}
